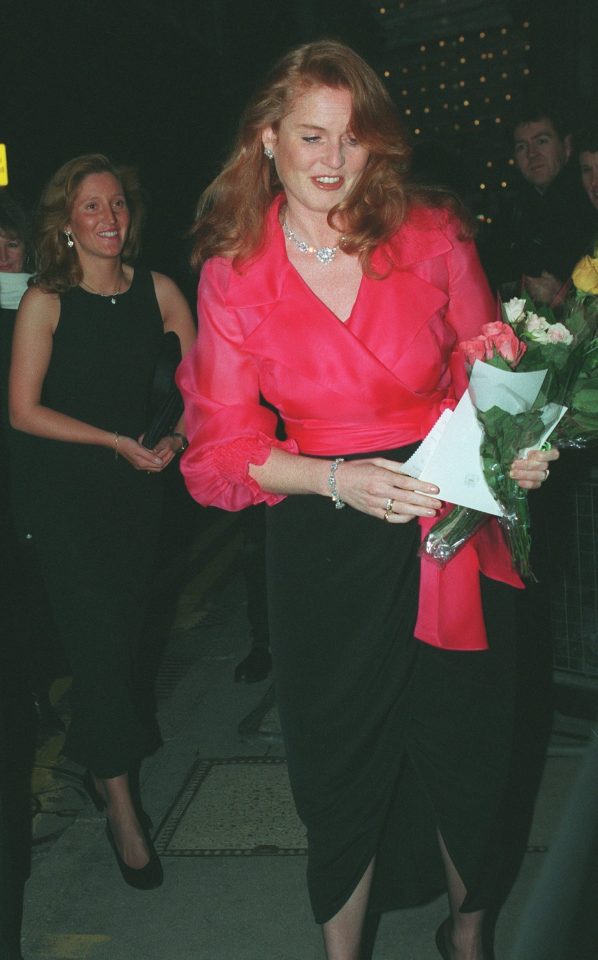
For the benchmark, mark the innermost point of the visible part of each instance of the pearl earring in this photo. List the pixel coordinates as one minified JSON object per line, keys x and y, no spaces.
{"x":268,"y":153}
{"x":69,"y":238}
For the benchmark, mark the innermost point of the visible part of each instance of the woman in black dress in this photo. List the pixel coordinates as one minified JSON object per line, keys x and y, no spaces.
{"x":88,"y":334}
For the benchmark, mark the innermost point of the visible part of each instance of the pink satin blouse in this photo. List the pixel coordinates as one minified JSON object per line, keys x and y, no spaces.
{"x":377,"y":381}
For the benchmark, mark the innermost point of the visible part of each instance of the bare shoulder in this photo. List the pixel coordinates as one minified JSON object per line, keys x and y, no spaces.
{"x":176,"y":313}
{"x":39,"y":306}
{"x":164,"y":286}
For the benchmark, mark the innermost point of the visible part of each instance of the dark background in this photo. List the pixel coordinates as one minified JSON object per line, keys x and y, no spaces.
{"x":161,"y":83}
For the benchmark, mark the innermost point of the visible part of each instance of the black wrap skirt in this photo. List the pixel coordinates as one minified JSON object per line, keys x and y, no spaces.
{"x":388,"y":739}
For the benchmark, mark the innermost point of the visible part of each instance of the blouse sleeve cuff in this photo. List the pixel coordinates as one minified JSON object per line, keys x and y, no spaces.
{"x":233,"y":459}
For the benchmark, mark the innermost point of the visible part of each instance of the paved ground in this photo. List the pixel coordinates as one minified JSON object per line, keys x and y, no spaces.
{"x":219,"y":907}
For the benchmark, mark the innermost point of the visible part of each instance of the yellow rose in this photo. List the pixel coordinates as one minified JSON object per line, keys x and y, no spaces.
{"x":585,"y":275}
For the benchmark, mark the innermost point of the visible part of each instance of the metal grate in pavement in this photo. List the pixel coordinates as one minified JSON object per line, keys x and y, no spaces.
{"x":235,"y":807}
{"x":172,"y":670}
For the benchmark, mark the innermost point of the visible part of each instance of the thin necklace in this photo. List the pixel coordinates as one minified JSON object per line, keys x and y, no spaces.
{"x":323,"y":254}
{"x":109,"y":296}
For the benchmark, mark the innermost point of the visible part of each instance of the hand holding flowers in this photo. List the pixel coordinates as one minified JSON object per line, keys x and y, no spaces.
{"x":529,"y":339}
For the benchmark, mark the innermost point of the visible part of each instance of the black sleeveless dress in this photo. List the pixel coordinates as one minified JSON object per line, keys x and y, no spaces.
{"x":95,"y":519}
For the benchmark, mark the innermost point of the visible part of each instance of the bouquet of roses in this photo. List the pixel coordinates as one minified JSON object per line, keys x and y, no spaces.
{"x":528,"y":339}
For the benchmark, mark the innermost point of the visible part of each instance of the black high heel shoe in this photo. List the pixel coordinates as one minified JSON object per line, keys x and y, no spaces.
{"x":100,"y":804}
{"x":441,"y":941}
{"x":146,"y":878}
{"x":255,"y":667}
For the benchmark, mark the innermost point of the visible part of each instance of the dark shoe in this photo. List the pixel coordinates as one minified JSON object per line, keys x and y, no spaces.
{"x":441,"y":940}
{"x":100,"y":804}
{"x":146,"y":878}
{"x":255,"y":667}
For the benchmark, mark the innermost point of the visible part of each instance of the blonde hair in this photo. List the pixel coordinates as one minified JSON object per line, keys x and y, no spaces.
{"x":231,"y":212}
{"x":58,"y":267}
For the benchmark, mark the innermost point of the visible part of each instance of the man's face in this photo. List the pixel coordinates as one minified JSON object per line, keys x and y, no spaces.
{"x":540,"y":153}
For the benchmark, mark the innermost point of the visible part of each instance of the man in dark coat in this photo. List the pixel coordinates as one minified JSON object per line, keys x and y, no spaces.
{"x":545,"y":227}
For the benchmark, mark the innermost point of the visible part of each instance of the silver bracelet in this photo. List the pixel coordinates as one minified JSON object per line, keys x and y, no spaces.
{"x":338,"y":503}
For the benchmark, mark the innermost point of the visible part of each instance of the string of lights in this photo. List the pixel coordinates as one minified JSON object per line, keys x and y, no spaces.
{"x":453,"y":70}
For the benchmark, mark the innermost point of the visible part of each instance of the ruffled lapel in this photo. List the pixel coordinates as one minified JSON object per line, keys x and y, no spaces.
{"x":305,"y":335}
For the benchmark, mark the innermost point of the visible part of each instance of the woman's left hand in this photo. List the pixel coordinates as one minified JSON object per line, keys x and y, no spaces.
{"x":531,"y":472}
{"x":167,"y":449}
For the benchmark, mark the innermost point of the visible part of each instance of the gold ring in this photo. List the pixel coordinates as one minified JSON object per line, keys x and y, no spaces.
{"x":388,"y":510}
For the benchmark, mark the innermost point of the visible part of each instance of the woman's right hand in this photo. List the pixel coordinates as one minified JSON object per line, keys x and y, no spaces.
{"x":378,"y":487}
{"x":138,"y":456}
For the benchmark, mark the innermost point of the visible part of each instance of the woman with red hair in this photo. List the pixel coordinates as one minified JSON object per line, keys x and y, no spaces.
{"x":336,"y":291}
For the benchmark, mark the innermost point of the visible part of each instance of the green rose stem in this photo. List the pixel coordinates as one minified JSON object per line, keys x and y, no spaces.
{"x":516,"y":526}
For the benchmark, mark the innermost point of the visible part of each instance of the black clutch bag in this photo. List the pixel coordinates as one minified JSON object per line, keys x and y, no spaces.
{"x":166,"y":403}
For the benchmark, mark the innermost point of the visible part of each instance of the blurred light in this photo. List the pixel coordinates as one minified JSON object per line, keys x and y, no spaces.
{"x":442,"y":86}
{"x":426,"y":109}
{"x":503,"y":184}
{"x":525,"y":24}
{"x":504,"y":75}
{"x":526,"y":72}
{"x":489,"y":163}
{"x":482,"y":186}
{"x":442,"y":43}
{"x":387,"y":73}
{"x":511,"y":162}
{"x":382,"y":9}
{"x":497,"y":120}
{"x":504,"y":31}
{"x":476,"y":123}
{"x":423,"y":48}
{"x":408,"y":112}
{"x":482,"y":79}
{"x":466,"y":103}
{"x":462,"y":60}
{"x":461,"y":39}
{"x":482,"y":35}
{"x":508,"y":96}
{"x":417,"y":131}
{"x":456,"y":126}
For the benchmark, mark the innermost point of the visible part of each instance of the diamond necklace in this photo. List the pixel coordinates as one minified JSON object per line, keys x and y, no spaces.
{"x":323,"y":254}
{"x":110,"y":296}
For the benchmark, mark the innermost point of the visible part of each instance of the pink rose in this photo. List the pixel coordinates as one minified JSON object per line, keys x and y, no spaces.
{"x":558,"y":333}
{"x":504,"y":342}
{"x":493,"y":329}
{"x":509,"y":347}
{"x":475,"y":349}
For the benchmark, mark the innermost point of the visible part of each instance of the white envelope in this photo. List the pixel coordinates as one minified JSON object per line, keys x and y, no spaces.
{"x":450,"y":454}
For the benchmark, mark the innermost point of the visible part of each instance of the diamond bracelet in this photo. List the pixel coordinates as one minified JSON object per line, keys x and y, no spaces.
{"x":338,"y":503}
